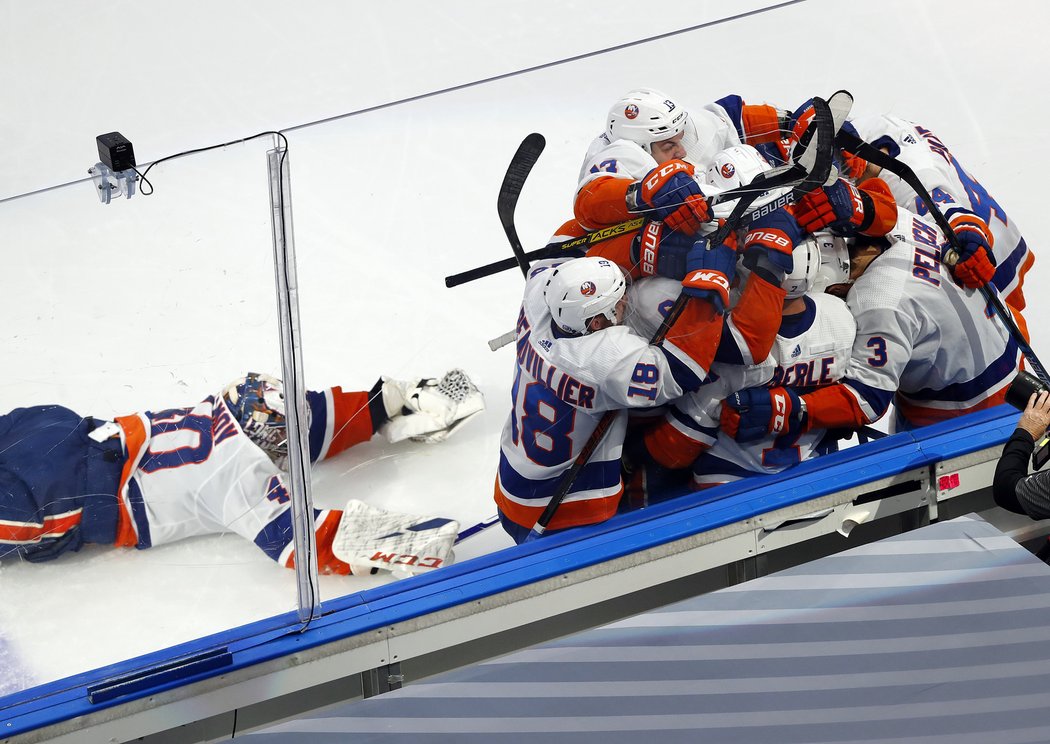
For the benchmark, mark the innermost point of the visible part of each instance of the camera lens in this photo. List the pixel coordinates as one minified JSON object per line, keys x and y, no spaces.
{"x":1022,"y":388}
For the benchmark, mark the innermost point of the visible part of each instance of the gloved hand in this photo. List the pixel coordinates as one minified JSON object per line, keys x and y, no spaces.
{"x":769,"y":242}
{"x":840,"y":205}
{"x":672,"y":194}
{"x":709,"y":272}
{"x":976,"y":263}
{"x":754,"y":413}
{"x":797,"y":124}
{"x":852,"y":166}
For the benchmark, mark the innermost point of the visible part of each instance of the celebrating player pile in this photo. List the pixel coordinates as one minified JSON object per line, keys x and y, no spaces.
{"x":803,"y":324}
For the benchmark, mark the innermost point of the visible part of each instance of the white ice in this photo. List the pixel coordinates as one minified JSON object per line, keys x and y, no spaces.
{"x":160,"y":300}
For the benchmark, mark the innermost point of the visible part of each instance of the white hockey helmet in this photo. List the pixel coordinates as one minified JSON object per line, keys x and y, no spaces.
{"x":735,"y":166}
{"x":834,"y":261}
{"x":584,"y":288}
{"x":805,"y":266}
{"x":645,"y":116}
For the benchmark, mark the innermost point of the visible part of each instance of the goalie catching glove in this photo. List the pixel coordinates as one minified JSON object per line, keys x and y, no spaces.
{"x":429,"y":410}
{"x":404,"y":544}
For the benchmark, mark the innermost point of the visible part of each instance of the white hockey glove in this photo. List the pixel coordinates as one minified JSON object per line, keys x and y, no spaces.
{"x":404,"y":544}
{"x":429,"y":410}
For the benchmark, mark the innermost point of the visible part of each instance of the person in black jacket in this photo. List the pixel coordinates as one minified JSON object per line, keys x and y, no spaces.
{"x":1013,"y":488}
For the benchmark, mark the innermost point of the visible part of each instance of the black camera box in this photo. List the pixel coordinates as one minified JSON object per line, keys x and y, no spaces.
{"x":115,"y":151}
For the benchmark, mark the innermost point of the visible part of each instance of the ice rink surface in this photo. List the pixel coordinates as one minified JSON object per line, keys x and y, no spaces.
{"x":159,"y":301}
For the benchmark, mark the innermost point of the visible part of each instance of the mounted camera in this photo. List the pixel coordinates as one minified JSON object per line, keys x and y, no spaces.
{"x":115,"y":172}
{"x":1021,"y":389}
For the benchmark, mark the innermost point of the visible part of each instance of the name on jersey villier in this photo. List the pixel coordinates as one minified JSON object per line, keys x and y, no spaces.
{"x":565,"y":386}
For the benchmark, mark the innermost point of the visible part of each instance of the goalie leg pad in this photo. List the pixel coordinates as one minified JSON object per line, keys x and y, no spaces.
{"x":431,"y":410}
{"x":404,"y":544}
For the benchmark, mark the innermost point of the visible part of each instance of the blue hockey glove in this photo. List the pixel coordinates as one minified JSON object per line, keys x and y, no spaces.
{"x":975,"y":266}
{"x":754,"y":413}
{"x":709,"y":272}
{"x":671,"y":194}
{"x":840,"y":205}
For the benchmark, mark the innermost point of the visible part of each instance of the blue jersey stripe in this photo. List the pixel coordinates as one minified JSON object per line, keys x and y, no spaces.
{"x":593,"y":476}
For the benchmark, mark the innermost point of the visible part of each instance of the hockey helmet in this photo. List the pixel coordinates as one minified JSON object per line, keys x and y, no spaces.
{"x":805,"y":260}
{"x":834,"y":261}
{"x":735,"y":166}
{"x":584,"y":288}
{"x":645,"y":116}
{"x":257,"y":403}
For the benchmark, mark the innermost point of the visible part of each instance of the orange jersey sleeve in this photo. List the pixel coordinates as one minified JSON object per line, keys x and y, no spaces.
{"x":761,"y":124}
{"x":603,"y":202}
{"x":885,"y":208}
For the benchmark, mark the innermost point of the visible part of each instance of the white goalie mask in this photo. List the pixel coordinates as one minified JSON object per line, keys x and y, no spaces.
{"x":645,"y":116}
{"x":584,"y":288}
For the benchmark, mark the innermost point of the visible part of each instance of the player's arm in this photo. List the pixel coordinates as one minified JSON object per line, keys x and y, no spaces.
{"x":755,"y":124}
{"x":425,"y":409}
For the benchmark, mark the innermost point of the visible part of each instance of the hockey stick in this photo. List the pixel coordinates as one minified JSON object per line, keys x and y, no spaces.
{"x":520,"y":166}
{"x":548,"y":251}
{"x":475,"y":529}
{"x":853,"y":144}
{"x":811,"y":168}
{"x":777,"y":178}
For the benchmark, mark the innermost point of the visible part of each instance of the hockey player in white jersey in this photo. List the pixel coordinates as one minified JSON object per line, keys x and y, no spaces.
{"x":812,"y":349}
{"x":923,"y":342}
{"x":649,"y":158}
{"x":575,"y":361}
{"x":152,"y":478}
{"x":978,"y":219}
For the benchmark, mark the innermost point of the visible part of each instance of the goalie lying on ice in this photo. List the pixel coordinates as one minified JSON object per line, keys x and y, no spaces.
{"x":218,"y":466}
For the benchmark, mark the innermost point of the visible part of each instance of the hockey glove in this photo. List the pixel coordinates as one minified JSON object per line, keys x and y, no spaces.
{"x":975,"y":266}
{"x":671,"y":194}
{"x":754,"y":413}
{"x":840,"y":205}
{"x":660,"y":251}
{"x":429,"y":410}
{"x":798,"y":123}
{"x":768,"y":245}
{"x":709,"y":272}
{"x":851,"y":165}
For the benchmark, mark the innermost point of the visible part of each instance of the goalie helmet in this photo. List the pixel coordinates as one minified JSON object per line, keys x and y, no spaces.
{"x":735,"y":166}
{"x":645,"y":116}
{"x":257,"y":403}
{"x":584,"y":288}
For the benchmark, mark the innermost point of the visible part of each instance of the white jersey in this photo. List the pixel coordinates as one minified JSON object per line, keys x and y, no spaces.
{"x":921,"y":337}
{"x":813,"y":349}
{"x":193,"y":471}
{"x":708,"y":131}
{"x":563,"y":385}
{"x":696,"y":414}
{"x":950,"y":185}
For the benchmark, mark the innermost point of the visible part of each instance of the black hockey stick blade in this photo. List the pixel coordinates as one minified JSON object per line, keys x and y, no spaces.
{"x":520,"y":166}
{"x":853,"y":144}
{"x":813,"y":161}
